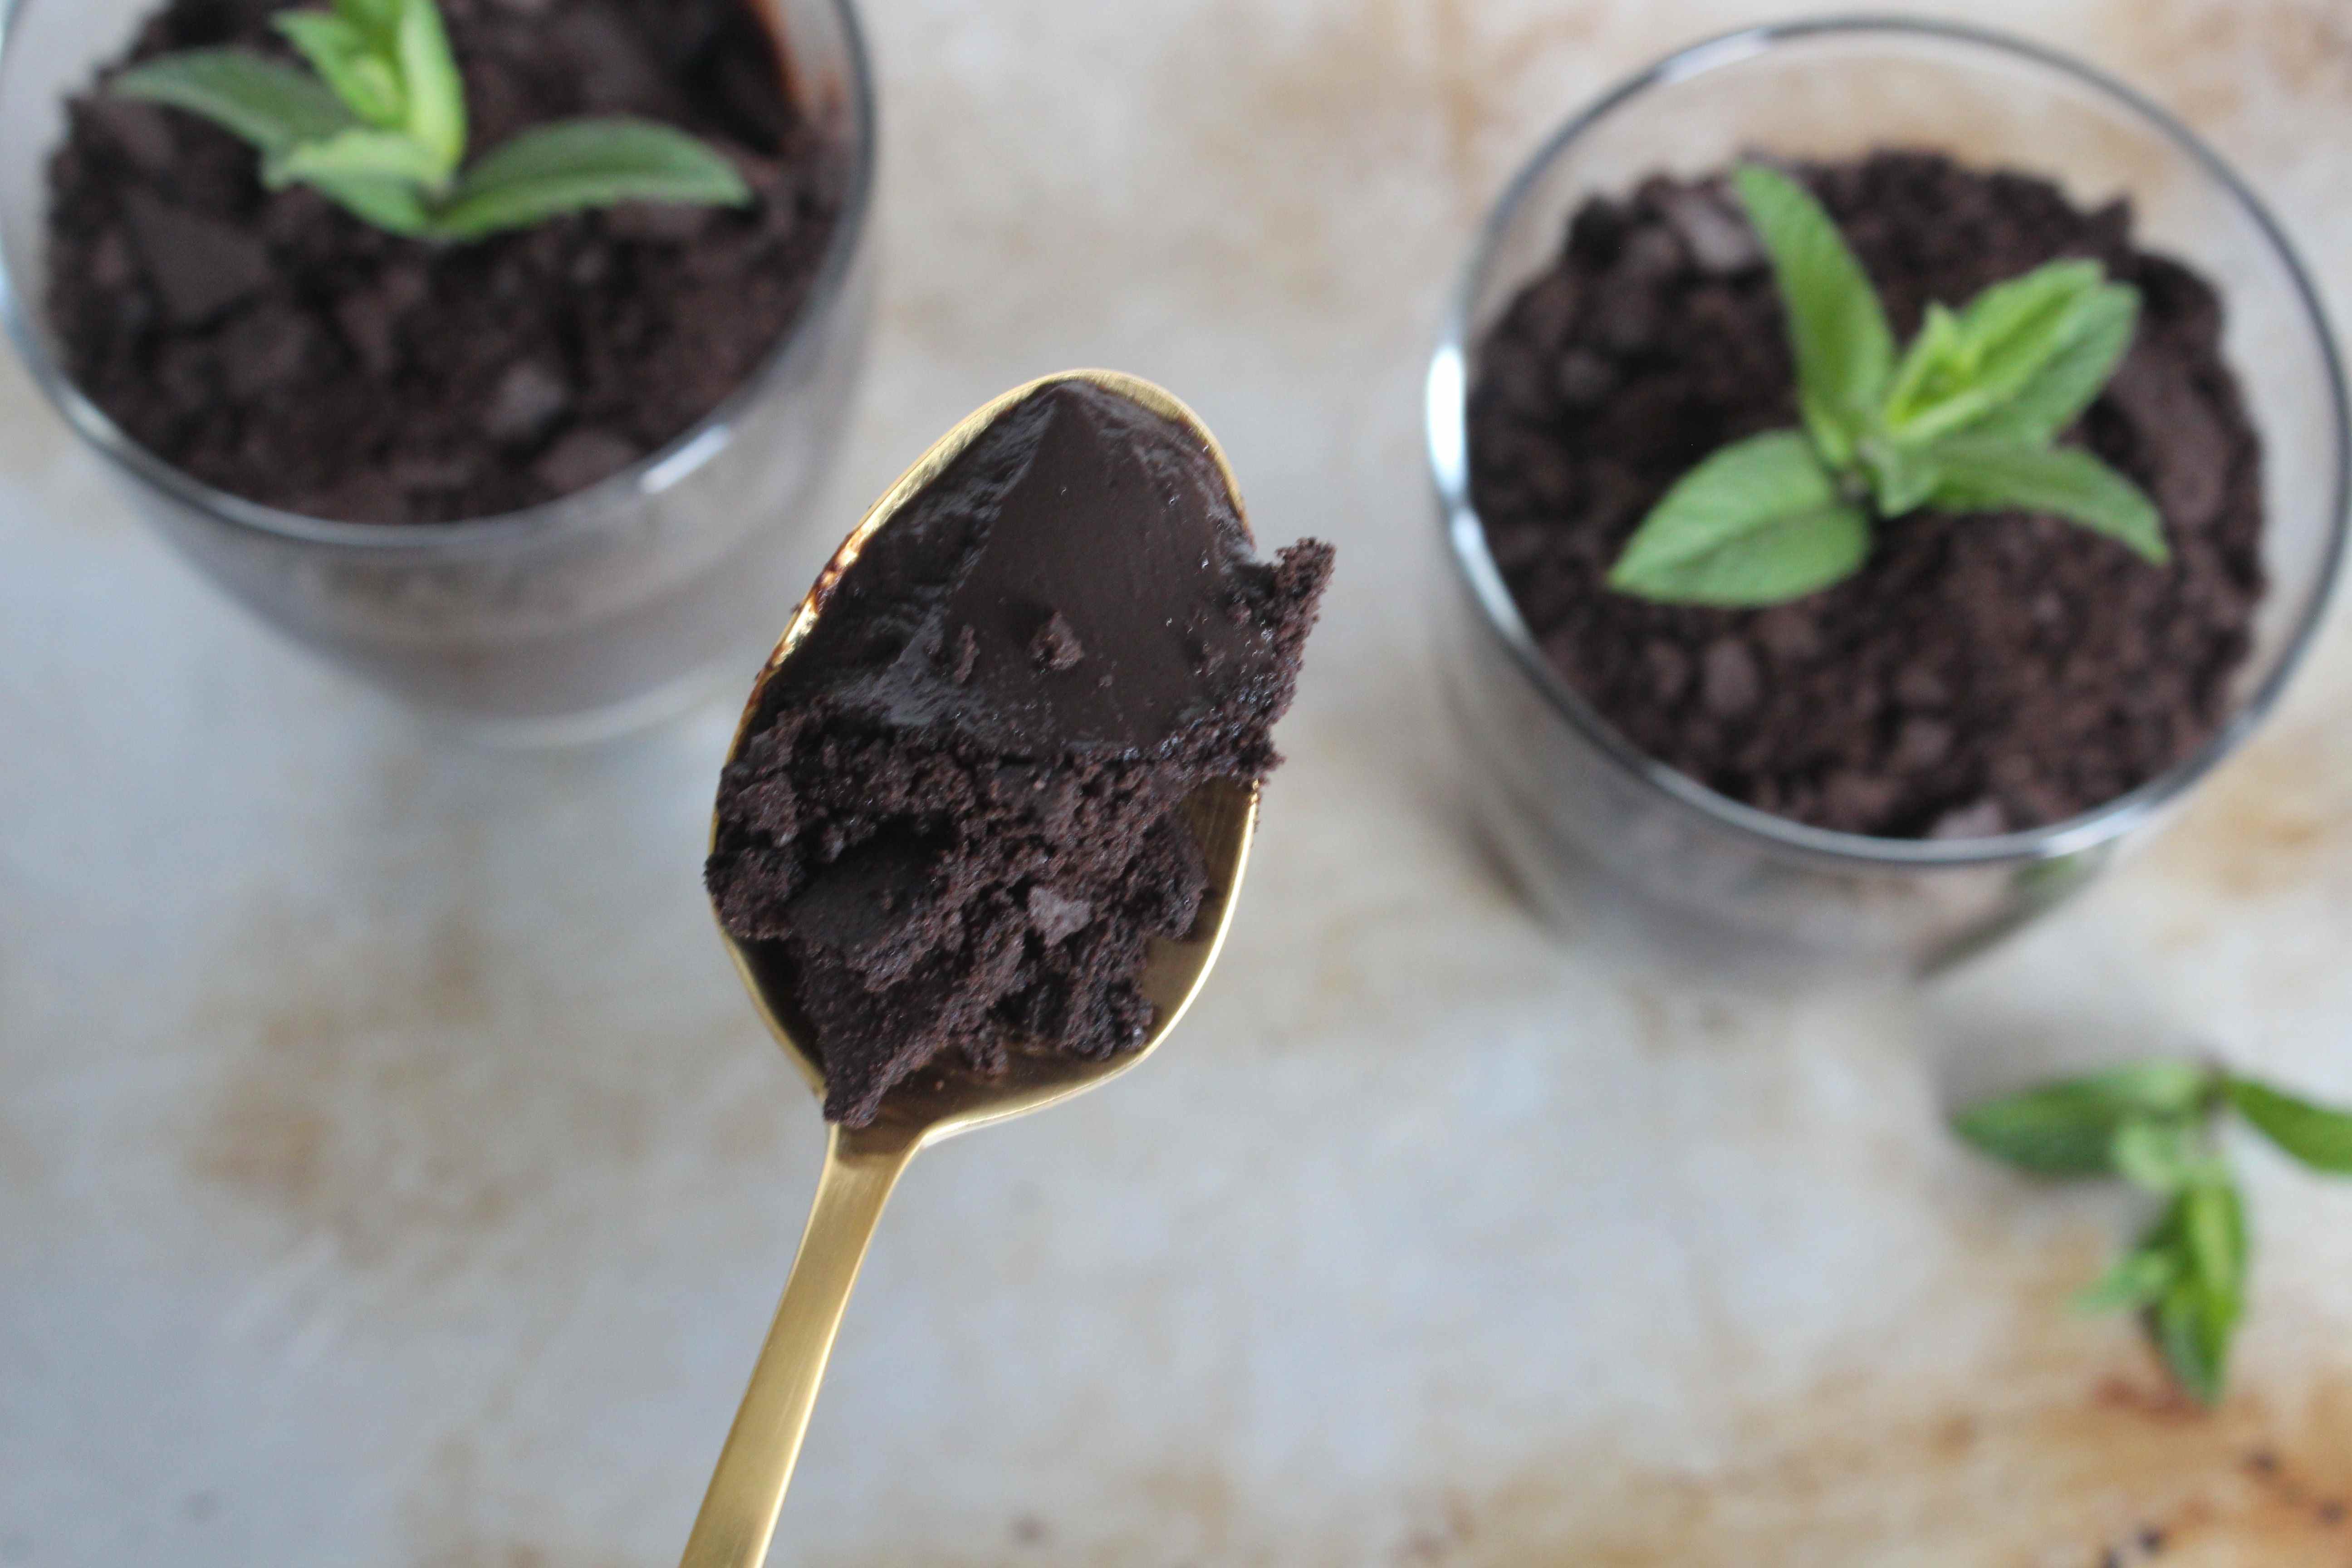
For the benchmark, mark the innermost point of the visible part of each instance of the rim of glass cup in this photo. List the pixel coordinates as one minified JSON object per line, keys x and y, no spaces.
{"x":1447,"y":416}
{"x":658,"y":470}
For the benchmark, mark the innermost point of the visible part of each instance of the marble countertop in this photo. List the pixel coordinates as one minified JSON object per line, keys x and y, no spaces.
{"x":391,"y":1173}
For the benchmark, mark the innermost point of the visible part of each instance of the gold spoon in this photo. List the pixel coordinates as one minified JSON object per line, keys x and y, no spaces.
{"x":863,"y":1163}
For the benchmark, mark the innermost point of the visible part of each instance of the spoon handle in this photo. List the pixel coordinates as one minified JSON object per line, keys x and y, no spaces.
{"x":739,"y":1511}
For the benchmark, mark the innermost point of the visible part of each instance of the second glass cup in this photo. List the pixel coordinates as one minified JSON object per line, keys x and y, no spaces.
{"x":579,"y":618}
{"x":1559,"y":790}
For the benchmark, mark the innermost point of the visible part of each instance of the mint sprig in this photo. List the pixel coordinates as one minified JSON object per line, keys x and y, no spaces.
{"x":1962,"y":420}
{"x":379,"y":126}
{"x":2156,"y":1126}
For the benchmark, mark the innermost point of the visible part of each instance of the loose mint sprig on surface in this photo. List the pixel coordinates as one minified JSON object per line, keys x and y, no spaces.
{"x":381,"y":130}
{"x":1963,"y":421}
{"x":2156,"y":1125}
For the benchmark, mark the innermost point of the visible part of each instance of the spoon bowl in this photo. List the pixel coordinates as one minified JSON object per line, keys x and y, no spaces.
{"x":863,"y":1163}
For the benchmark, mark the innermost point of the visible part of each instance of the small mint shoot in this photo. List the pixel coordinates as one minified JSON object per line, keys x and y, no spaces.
{"x":2156,"y":1125}
{"x":378,"y":125}
{"x":1963,"y":419}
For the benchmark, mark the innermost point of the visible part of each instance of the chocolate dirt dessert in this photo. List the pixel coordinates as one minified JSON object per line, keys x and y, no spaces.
{"x":956,"y":812}
{"x":1981,"y":674}
{"x":276,"y":348}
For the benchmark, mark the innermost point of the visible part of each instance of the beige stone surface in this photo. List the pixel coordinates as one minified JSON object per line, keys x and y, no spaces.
{"x":391,"y":1173}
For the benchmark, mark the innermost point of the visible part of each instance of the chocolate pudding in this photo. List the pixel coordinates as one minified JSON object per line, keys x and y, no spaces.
{"x":956,"y":811}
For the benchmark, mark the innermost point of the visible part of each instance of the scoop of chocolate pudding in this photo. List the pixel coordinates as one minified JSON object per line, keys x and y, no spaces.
{"x":955,"y":814}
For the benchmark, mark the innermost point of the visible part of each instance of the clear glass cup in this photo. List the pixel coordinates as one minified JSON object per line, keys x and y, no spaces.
{"x":1576,"y":812}
{"x":579,"y":618}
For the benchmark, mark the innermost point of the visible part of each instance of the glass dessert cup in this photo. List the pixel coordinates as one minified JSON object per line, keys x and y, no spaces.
{"x":580,"y":617}
{"x":1574,"y":809}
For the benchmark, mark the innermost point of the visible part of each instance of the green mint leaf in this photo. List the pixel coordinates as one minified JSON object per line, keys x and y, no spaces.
{"x":2195,"y":1341}
{"x":2022,"y":321}
{"x":436,"y":93}
{"x":2002,"y":339}
{"x":2073,"y":378}
{"x":2062,"y":1130}
{"x":396,"y":207}
{"x":1978,"y":475}
{"x":1837,"y":329}
{"x":2138,"y":1280}
{"x":1759,"y":521}
{"x":390,"y":156}
{"x":270,"y":105}
{"x":2161,"y":1156}
{"x":2317,"y":1135}
{"x":2213,"y":1222}
{"x":2068,"y":1128}
{"x":349,"y":64}
{"x":580,"y":163}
